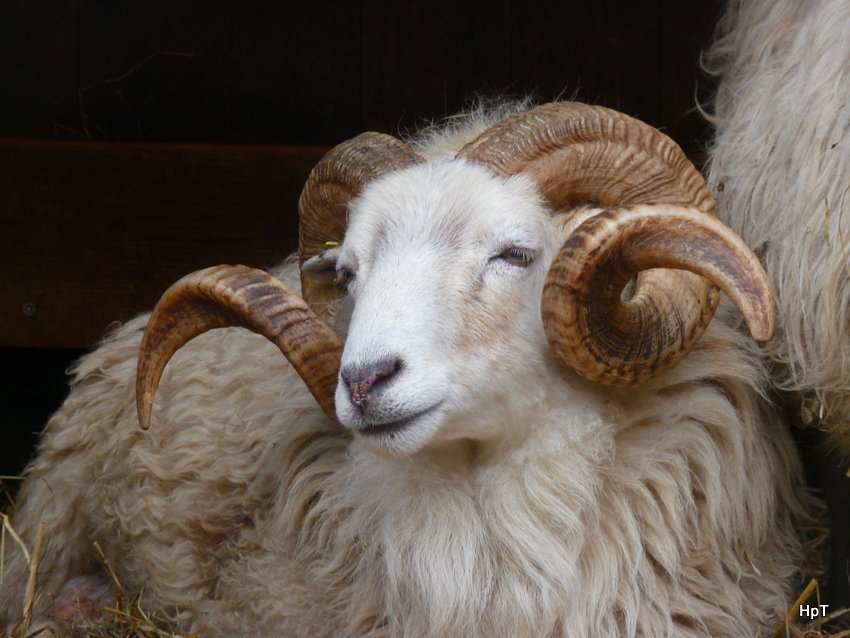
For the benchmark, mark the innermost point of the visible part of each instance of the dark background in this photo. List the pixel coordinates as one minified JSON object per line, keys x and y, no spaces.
{"x":142,"y":140}
{"x":319,"y":72}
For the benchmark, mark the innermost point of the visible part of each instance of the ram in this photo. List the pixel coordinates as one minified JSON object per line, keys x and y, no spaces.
{"x":487,"y":425}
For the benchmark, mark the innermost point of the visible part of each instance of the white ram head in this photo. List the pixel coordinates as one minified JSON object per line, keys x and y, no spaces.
{"x":447,"y":279}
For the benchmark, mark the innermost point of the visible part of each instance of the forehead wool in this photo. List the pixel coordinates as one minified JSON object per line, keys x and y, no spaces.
{"x":453,"y":200}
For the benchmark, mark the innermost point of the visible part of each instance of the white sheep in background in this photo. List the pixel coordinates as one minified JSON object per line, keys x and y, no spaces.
{"x":484,"y":483}
{"x":780,"y":169}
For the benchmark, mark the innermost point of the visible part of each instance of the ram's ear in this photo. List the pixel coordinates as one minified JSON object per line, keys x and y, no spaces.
{"x":322,"y":267}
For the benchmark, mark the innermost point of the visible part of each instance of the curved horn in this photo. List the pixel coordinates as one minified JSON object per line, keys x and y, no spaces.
{"x":578,"y":154}
{"x":592,"y":329}
{"x":224,"y":296}
{"x":334,"y":181}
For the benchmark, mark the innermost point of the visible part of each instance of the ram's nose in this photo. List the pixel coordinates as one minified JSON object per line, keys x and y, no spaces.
{"x":367,"y":381}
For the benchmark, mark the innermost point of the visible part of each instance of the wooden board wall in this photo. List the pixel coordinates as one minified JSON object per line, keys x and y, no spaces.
{"x":94,"y":232}
{"x":318,"y":72}
{"x":96,"y":226}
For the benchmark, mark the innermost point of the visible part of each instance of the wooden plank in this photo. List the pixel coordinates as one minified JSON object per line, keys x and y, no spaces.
{"x":295,"y":71}
{"x":94,"y":232}
{"x":154,"y":71}
{"x":38,"y":73}
{"x":687,"y":29}
{"x":604,"y":52}
{"x":124,"y":70}
{"x":425,"y":60}
{"x":639,"y":57}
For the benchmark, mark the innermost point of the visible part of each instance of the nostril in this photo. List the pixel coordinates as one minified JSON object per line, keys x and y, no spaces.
{"x":363,"y":381}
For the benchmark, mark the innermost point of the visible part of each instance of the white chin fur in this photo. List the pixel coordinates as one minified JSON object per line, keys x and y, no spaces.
{"x":406,"y":439}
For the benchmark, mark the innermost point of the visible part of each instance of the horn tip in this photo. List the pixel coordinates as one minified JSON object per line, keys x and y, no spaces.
{"x":144,"y":420}
{"x":762,"y":332}
{"x":144,"y":396}
{"x":143,"y":409}
{"x":763,"y":324}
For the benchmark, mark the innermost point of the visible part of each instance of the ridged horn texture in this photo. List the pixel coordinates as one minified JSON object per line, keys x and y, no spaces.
{"x":332,"y":184}
{"x":224,"y":296}
{"x":593,"y":330}
{"x":579,"y":154}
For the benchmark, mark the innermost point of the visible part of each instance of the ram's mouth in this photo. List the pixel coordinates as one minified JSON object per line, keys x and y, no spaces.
{"x":391,"y":427}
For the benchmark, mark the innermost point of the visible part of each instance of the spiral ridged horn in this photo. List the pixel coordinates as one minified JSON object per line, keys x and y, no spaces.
{"x":577,"y":154}
{"x":613,"y":341}
{"x":224,"y":296}
{"x":333,"y":183}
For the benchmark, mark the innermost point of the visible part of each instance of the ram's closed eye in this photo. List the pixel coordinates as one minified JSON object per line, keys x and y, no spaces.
{"x":516,"y":256}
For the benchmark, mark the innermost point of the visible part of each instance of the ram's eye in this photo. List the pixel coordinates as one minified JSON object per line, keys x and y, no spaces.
{"x":517,"y":256}
{"x":343,"y":277}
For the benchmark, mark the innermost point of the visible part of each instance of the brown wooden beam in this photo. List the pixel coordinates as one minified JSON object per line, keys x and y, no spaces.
{"x":92,"y":233}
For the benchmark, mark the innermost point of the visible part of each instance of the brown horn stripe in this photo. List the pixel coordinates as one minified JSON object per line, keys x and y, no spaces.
{"x":579,"y":154}
{"x":224,"y":296}
{"x":613,"y":341}
{"x":339,"y":177}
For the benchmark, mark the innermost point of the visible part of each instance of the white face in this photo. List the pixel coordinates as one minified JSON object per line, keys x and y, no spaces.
{"x":445,"y":264}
